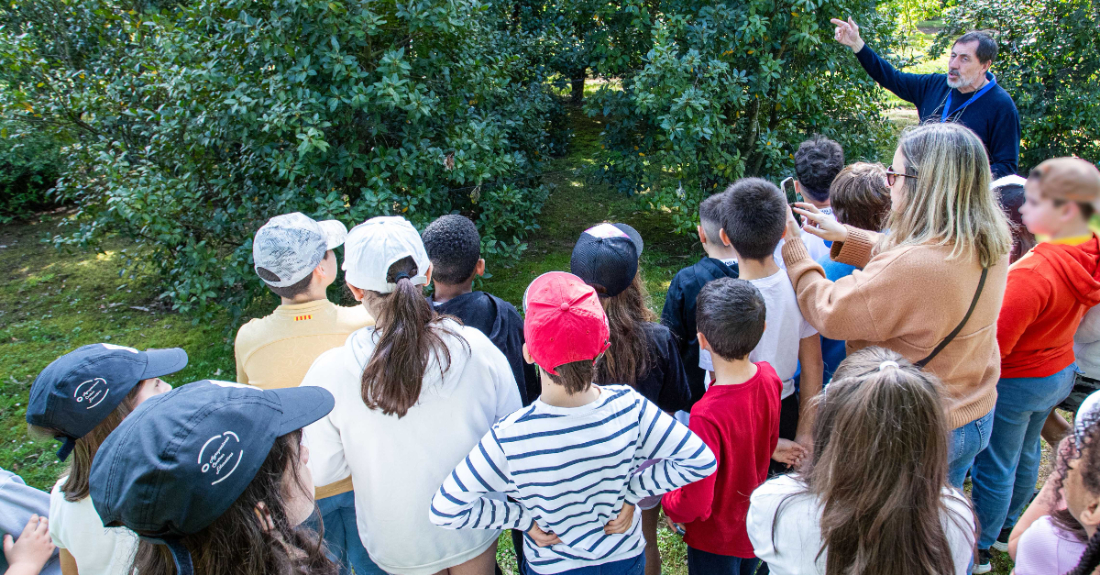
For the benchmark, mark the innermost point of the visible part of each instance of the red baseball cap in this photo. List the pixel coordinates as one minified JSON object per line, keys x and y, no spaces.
{"x":564,"y":321}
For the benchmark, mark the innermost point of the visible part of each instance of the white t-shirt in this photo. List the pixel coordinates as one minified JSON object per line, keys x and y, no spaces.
{"x":398,"y":464}
{"x":797,"y":530}
{"x":815,"y":245}
{"x":1087,"y":344}
{"x":77,"y":528}
{"x":785,"y":330}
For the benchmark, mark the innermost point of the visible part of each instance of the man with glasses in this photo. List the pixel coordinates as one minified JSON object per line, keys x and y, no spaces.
{"x":967,"y":94}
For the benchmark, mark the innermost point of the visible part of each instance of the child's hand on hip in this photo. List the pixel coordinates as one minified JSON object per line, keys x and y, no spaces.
{"x":622,"y":522}
{"x":542,"y":538}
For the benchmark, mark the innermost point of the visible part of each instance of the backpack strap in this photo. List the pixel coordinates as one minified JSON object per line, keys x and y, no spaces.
{"x":958,"y":328}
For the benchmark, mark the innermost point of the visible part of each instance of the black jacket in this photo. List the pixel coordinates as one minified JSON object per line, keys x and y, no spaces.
{"x":501,"y":323}
{"x":679,"y":315}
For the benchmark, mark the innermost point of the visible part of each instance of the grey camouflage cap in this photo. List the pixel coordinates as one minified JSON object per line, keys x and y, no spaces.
{"x":289,"y":246}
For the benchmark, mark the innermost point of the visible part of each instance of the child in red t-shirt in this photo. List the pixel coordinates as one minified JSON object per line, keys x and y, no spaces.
{"x":738,"y":419}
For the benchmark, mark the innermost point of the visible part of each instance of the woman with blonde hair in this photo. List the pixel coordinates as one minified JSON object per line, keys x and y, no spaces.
{"x":930,"y":287}
{"x":876,"y":482}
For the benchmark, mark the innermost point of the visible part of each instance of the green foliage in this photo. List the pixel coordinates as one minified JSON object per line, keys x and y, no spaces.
{"x":1049,"y":62}
{"x":731,"y":89}
{"x":29,"y":166}
{"x":193,"y":123}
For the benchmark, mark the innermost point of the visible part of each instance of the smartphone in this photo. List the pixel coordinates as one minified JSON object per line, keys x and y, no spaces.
{"x":787,"y":185}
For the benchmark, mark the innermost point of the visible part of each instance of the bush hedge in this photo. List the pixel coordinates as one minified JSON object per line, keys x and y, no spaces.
{"x":193,"y":123}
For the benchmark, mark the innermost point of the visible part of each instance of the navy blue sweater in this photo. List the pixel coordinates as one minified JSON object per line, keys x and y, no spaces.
{"x":993,"y":117}
{"x":679,"y":315}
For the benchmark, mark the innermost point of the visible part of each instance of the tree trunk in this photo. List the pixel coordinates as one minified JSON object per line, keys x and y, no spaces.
{"x":576,"y":84}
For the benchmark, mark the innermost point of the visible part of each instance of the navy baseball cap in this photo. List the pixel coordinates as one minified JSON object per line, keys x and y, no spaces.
{"x":180,"y":460}
{"x":607,"y":256}
{"x":81,"y":388}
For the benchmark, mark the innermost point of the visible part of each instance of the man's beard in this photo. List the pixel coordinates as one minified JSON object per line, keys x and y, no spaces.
{"x":962,"y":81}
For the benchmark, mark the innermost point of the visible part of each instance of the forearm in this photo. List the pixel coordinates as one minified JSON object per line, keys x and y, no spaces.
{"x":811,"y":384}
{"x":465,"y":510}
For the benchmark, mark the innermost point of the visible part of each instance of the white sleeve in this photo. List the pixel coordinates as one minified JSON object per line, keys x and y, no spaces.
{"x":465,"y":499}
{"x":508,"y":400}
{"x":682,"y":456}
{"x":322,"y":437}
{"x":706,"y":363}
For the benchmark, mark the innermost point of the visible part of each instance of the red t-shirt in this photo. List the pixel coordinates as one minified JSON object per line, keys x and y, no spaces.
{"x":740,"y":424}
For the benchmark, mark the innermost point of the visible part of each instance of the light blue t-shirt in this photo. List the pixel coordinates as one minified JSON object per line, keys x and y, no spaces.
{"x":18,"y":501}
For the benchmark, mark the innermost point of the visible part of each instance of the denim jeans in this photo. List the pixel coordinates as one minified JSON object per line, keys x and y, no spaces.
{"x":703,"y":563}
{"x":633,"y":566}
{"x":966,"y":442}
{"x":342,"y":535}
{"x":1004,"y":475}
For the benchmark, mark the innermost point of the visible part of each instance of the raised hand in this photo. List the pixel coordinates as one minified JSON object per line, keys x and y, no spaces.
{"x":821,"y":225}
{"x":847,"y":33}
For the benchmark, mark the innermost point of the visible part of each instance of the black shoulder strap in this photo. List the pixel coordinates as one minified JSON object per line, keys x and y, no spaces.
{"x":958,"y":328}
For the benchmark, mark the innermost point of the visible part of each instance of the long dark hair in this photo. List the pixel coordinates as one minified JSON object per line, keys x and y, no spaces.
{"x":627,"y":360}
{"x":879,"y":469}
{"x":1081,"y":447}
{"x":75,"y":487}
{"x":238,"y":543}
{"x":408,"y":336}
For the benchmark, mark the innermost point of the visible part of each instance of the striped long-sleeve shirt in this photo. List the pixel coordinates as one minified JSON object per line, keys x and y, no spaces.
{"x":570,"y":470}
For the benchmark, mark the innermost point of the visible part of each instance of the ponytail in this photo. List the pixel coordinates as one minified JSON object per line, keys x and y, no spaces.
{"x":1090,"y":559}
{"x":407,"y":339}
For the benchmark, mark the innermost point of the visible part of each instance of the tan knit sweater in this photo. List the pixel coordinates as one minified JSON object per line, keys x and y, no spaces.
{"x":908,"y":299}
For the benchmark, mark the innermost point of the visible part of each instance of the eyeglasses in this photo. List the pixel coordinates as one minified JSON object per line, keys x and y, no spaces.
{"x":892,"y":176}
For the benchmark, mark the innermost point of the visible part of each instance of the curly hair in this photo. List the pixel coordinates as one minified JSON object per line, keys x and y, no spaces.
{"x":454,"y":247}
{"x":1080,"y":447}
{"x":816,"y":163}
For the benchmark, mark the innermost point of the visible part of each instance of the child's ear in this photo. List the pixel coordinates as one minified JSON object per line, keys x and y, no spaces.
{"x":356,"y":292}
{"x":725,"y":238}
{"x":702,"y":234}
{"x":1091,"y":513}
{"x":479,"y":269}
{"x":527,"y":356}
{"x":428,"y":274}
{"x":703,"y":343}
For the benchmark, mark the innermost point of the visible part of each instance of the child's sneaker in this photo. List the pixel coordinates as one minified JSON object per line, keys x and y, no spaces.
{"x":984,"y":562}
{"x":1001,"y":544}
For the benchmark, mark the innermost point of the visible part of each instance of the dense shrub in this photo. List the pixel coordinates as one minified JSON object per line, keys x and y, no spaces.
{"x":1049,"y":62}
{"x":194,"y":122}
{"x":729,"y":89}
{"x":29,"y":166}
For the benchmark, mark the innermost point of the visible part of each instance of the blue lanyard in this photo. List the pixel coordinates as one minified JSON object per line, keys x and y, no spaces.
{"x":947,"y":105}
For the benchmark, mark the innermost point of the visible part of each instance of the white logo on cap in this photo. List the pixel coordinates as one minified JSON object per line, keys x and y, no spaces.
{"x":92,"y":392}
{"x":221,"y":456}
{"x":119,"y":347}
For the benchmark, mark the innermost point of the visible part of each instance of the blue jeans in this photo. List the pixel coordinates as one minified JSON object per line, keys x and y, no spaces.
{"x":966,"y":442}
{"x":633,"y":566}
{"x":342,"y":535}
{"x":703,"y":563}
{"x":1004,"y":475}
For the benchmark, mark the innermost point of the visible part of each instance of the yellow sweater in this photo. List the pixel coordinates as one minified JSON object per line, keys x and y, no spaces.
{"x":909,"y":299}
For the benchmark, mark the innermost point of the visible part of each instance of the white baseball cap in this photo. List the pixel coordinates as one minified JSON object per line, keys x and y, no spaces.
{"x":290,"y":246}
{"x":375,"y":245}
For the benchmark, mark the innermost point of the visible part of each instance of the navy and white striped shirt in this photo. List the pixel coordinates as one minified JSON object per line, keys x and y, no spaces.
{"x":570,"y":470}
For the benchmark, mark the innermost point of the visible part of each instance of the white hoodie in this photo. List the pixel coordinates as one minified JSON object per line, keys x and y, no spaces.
{"x":397,"y":464}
